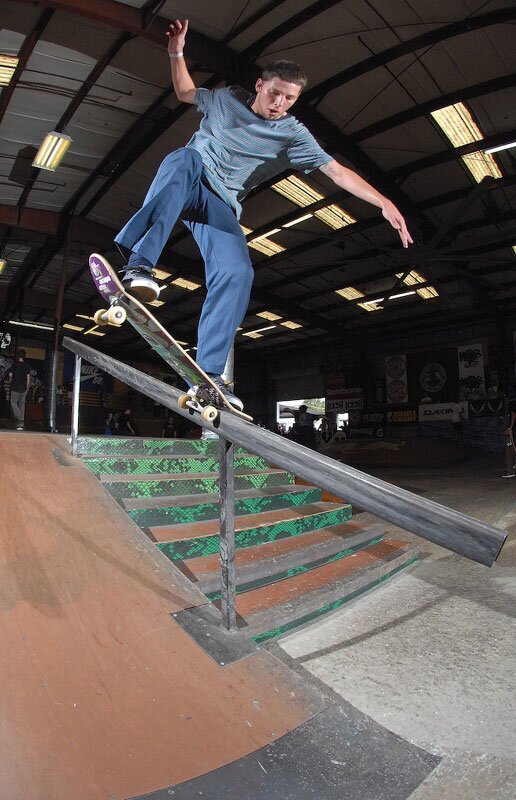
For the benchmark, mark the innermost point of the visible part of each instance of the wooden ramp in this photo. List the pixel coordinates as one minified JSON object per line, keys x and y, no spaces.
{"x":104,"y":695}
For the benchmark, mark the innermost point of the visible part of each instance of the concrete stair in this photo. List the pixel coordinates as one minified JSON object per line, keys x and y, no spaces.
{"x":299,"y":553}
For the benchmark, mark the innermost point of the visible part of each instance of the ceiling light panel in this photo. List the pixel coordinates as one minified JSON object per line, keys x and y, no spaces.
{"x":457,"y":124}
{"x":183,"y":283}
{"x":349,"y":293}
{"x":8,"y":66}
{"x":269,"y":315}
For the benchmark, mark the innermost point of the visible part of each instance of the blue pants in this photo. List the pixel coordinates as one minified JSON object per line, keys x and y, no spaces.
{"x":177,"y":192}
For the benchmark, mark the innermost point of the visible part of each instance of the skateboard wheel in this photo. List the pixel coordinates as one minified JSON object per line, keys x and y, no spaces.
{"x":210,"y":414}
{"x":115,"y":315}
{"x":183,"y":401}
{"x":99,"y":317}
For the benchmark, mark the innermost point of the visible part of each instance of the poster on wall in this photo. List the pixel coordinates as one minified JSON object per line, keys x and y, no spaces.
{"x":93,"y":379}
{"x":471,"y":372}
{"x":433,"y":375}
{"x":344,"y":390}
{"x":396,"y":382}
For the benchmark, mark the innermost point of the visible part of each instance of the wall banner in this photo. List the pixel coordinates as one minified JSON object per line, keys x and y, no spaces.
{"x":440,"y":412}
{"x":396,"y":383}
{"x":471,"y":372}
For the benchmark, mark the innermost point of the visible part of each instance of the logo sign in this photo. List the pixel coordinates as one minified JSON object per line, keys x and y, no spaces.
{"x":356,"y":403}
{"x":433,"y":378}
{"x":441,"y":412}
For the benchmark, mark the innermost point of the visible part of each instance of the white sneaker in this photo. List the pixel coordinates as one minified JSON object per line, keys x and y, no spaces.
{"x":140,"y":284}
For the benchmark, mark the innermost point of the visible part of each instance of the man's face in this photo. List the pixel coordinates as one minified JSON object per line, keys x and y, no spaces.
{"x":274,"y":97}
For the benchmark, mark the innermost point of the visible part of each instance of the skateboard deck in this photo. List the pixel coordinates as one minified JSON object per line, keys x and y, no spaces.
{"x":204,"y":396}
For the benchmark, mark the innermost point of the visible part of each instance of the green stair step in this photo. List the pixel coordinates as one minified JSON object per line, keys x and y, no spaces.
{"x":284,"y":619}
{"x":146,"y":493}
{"x":143,"y":465}
{"x":112,"y":445}
{"x":266,"y":563}
{"x":325,"y":515}
{"x":197,"y":508}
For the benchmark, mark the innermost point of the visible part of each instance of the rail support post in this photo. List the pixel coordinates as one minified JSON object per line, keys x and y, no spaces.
{"x":75,"y":404}
{"x":227,"y":533}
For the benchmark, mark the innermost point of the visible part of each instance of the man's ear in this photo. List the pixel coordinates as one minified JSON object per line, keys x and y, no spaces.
{"x":258,"y":85}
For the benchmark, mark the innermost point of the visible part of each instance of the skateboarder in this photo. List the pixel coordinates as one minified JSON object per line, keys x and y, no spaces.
{"x":243,"y":140}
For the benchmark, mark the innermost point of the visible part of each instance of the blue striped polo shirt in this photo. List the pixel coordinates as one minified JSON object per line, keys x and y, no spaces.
{"x":241,"y":149}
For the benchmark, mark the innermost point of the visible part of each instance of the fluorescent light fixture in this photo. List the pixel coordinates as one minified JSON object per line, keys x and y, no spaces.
{"x":85,"y":316}
{"x":266,"y":235}
{"x":500,"y":148}
{"x":291,"y":325}
{"x":52,"y":151}
{"x":349,"y":293}
{"x":253,"y":335}
{"x":269,"y":315}
{"x":160,"y":274}
{"x":156,"y":303}
{"x":70,"y":327}
{"x":8,"y":66}
{"x":302,"y":194}
{"x":3,"y":264}
{"x":41,"y":325}
{"x":297,"y":221}
{"x":185,"y":284}
{"x":267,"y":328}
{"x":402,"y":294}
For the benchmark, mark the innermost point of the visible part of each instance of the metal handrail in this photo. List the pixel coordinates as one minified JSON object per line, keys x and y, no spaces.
{"x":444,"y":526}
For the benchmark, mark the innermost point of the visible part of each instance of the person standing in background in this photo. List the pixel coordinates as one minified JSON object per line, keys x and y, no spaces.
{"x":19,"y":376}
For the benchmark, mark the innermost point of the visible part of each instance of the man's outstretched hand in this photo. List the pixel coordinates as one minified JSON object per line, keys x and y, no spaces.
{"x":176,"y":35}
{"x":396,"y":219}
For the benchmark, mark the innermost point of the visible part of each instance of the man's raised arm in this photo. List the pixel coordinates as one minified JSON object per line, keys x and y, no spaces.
{"x":184,"y":87}
{"x":353,"y":183}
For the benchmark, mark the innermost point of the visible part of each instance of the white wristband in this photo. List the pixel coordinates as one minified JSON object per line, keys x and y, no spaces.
{"x":176,"y":55}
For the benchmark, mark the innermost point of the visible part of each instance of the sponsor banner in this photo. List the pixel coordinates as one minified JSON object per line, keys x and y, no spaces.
{"x":440,"y":412}
{"x":396,"y":382}
{"x":434,"y":375}
{"x":471,"y":372}
{"x":356,"y":419}
{"x":344,"y":405}
{"x":339,"y":391}
{"x":402,"y":415}
{"x":494,"y":407}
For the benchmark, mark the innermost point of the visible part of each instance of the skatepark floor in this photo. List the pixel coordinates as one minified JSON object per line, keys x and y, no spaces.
{"x":432,"y":655}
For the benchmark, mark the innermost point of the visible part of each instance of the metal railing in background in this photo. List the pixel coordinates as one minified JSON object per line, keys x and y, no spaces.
{"x":451,"y":529}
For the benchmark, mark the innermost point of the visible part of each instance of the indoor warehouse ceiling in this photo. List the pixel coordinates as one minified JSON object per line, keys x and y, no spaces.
{"x":412,"y":94}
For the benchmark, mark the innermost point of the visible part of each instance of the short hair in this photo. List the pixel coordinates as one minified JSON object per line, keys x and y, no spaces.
{"x":286,"y":70}
{"x":21,"y":353}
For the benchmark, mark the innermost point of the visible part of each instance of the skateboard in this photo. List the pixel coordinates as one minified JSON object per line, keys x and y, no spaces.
{"x":204,"y":396}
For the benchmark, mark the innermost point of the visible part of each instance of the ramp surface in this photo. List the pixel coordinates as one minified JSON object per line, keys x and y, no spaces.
{"x":104,"y":694}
